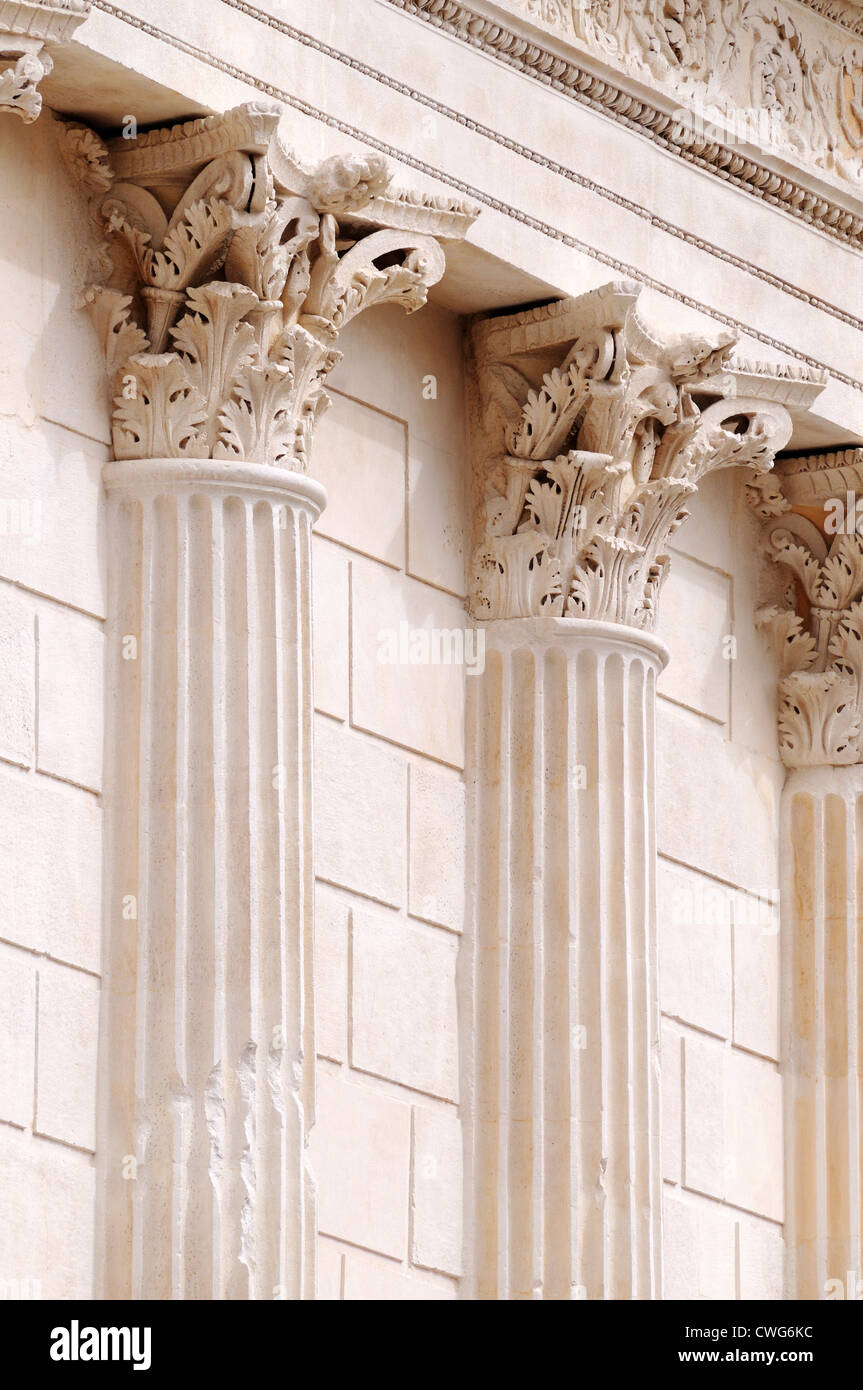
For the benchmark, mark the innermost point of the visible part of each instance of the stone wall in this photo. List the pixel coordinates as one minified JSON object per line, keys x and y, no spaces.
{"x":575,"y":190}
{"x":719,"y":783}
{"x":53,"y":442}
{"x":389,"y":562}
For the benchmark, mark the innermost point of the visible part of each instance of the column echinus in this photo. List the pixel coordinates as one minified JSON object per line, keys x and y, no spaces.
{"x":591,"y":432}
{"x":227,"y":272}
{"x":810,"y":515}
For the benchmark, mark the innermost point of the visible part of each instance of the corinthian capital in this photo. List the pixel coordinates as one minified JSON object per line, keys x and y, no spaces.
{"x":594,"y":433}
{"x":25,"y":27}
{"x":228,"y":270}
{"x":809,"y":510}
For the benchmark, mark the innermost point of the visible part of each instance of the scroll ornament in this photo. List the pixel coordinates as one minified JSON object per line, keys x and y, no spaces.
{"x":595,"y":464}
{"x":817,"y":628}
{"x":227,"y":273}
{"x":768,"y":72}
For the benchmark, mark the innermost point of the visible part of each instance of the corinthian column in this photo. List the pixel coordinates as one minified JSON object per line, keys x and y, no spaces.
{"x":228,"y":279}
{"x":809,"y":510}
{"x":592,"y":435}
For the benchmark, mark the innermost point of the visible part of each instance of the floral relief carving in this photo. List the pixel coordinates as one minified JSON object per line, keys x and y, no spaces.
{"x":817,"y":627}
{"x":19,"y":85}
{"x":228,"y":272}
{"x":798,"y":78}
{"x":592,"y":461}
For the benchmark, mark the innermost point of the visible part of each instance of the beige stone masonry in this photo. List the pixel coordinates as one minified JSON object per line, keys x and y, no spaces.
{"x":332,"y":964}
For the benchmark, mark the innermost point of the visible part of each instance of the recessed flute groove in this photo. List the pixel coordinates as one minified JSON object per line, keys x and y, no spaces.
{"x":822,"y":897}
{"x":208,"y":1021}
{"x":224,"y":280}
{"x":564,"y":1150}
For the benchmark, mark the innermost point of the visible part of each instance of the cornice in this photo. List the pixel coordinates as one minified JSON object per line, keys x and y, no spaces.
{"x":525,"y":152}
{"x":573,"y":78}
{"x":477,"y":195}
{"x":52,"y":21}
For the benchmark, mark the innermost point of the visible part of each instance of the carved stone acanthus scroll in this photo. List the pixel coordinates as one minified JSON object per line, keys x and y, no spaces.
{"x":226,"y":274}
{"x":595,"y":435}
{"x":25,"y":27}
{"x":817,"y":627}
{"x":799,"y":76}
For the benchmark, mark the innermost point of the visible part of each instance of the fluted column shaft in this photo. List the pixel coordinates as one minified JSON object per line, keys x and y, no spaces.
{"x":565,"y":1128}
{"x":822,"y":914}
{"x":207,"y":1016}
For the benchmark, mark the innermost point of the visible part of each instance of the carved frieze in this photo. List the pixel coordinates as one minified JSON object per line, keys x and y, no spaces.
{"x":810,"y":517}
{"x":769,"y":73}
{"x":226,"y":272}
{"x":593,"y":435}
{"x":25,"y":27}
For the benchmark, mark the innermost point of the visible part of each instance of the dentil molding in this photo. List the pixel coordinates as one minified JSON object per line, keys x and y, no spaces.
{"x":817,"y":625}
{"x":593,"y":432}
{"x":225,"y":272}
{"x":25,"y":27}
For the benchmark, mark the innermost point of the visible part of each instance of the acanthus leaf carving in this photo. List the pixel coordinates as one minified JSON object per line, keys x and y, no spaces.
{"x":19,"y":85}
{"x":749,"y":72}
{"x":602,"y":452}
{"x":111,"y":313}
{"x":795,"y":648}
{"x":215,"y":345}
{"x":341,"y":286}
{"x":309,"y":362}
{"x":548,"y":414}
{"x":517,"y":575}
{"x":225,"y":288}
{"x":799,"y":558}
{"x":163,"y":415}
{"x":87,"y":158}
{"x":818,"y":630}
{"x":257,"y":420}
{"x":265,"y":254}
{"x":819,"y":719}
